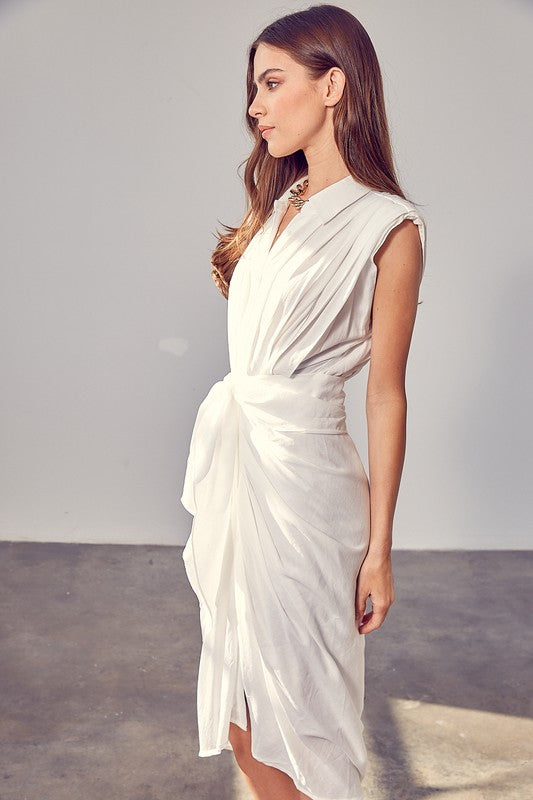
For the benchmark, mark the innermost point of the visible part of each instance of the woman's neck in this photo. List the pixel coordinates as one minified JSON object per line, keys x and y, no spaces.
{"x":323,"y":169}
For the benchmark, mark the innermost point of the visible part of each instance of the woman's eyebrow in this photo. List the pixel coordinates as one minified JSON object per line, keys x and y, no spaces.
{"x":263,"y":75}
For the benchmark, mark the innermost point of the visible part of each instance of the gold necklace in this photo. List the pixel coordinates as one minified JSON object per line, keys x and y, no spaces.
{"x":295,"y":200}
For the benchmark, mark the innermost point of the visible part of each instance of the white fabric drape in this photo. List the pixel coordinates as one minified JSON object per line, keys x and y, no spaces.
{"x":280,"y":497}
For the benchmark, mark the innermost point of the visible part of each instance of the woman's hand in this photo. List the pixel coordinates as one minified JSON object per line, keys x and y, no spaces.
{"x":374,"y":580}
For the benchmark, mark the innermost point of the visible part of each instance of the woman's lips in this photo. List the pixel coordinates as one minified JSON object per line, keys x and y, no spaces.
{"x":267,"y":130}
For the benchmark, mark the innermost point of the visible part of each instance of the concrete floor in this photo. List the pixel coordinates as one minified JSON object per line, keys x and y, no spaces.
{"x":98,"y":665}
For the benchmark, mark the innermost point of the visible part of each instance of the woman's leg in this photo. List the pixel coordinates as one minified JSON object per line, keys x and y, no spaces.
{"x":265,"y":782}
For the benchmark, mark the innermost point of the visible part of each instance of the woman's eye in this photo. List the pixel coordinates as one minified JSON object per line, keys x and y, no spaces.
{"x":268,"y":83}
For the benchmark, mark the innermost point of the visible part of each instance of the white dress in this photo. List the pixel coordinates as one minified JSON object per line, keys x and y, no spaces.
{"x":280,"y":496}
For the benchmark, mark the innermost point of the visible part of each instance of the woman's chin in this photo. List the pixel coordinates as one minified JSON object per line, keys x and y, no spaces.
{"x":277,"y":151}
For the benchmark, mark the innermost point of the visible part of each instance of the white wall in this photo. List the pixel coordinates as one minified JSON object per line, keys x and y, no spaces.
{"x":121,"y":132}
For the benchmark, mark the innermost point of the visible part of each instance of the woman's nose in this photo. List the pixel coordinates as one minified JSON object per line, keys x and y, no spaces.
{"x":255,"y":108}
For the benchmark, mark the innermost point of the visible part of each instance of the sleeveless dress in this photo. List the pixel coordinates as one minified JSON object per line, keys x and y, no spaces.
{"x":280,"y":497}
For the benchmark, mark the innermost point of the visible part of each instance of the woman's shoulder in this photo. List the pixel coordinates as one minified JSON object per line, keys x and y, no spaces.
{"x":391,"y":205}
{"x":387,"y":210}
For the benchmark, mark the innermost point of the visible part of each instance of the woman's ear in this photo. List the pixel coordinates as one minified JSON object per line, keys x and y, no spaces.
{"x":335,"y":81}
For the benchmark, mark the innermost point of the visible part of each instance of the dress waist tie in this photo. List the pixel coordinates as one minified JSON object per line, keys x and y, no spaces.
{"x":304,"y":402}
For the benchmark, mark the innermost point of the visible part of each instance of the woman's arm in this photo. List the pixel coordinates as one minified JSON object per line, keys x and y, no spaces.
{"x":399,"y":263}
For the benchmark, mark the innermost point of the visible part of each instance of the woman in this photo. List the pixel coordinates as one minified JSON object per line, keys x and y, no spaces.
{"x":288,"y":542}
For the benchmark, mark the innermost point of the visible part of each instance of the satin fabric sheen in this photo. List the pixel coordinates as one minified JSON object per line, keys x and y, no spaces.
{"x":280,"y":497}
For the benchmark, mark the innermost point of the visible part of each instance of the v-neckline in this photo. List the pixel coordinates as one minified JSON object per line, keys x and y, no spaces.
{"x":285,"y":198}
{"x":309,"y":204}
{"x":273,"y":242}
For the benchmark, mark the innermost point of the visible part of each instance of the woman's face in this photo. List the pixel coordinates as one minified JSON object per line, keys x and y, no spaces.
{"x":290,"y":102}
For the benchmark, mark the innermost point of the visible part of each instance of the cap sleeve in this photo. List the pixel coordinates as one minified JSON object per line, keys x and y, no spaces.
{"x":399,"y":216}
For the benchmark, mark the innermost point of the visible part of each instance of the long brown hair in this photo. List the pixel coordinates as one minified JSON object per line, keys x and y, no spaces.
{"x":319,"y":38}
